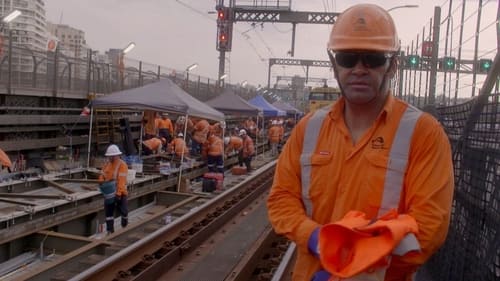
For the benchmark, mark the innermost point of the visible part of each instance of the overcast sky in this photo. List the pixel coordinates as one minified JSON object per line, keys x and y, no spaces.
{"x":178,"y":33}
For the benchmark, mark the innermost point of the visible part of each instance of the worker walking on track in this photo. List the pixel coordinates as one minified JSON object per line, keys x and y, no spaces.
{"x":364,"y":187}
{"x":247,"y":152}
{"x":114,"y":187}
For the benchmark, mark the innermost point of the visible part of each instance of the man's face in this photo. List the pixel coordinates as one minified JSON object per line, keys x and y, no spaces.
{"x":361,"y":75}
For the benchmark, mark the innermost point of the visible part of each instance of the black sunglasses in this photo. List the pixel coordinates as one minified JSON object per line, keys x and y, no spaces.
{"x":349,"y":60}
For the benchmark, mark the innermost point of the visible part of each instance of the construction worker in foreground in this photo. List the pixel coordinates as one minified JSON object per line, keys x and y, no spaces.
{"x":114,"y":187}
{"x":364,"y":187}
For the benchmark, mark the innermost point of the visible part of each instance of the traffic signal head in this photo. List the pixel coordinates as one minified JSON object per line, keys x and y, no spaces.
{"x":448,"y":63}
{"x":224,"y":31}
{"x":412,"y":61}
{"x":222,"y":37}
{"x":485,"y":65}
{"x":221,"y":14}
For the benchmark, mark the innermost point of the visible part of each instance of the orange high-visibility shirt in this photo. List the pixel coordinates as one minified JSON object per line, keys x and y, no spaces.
{"x":274,"y":134}
{"x":165,"y":124}
{"x":121,"y":178}
{"x":154,"y":144}
{"x":215,"y":146}
{"x":347,"y":177}
{"x":179,"y":147}
{"x":235,"y":143}
{"x":248,"y":147}
{"x":150,"y":119}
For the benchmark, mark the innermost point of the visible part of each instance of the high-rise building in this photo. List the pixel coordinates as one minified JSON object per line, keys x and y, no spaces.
{"x":28,"y":34}
{"x":28,"y":29}
{"x":71,"y":41}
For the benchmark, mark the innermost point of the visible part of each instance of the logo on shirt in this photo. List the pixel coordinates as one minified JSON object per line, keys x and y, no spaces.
{"x":378,"y":143}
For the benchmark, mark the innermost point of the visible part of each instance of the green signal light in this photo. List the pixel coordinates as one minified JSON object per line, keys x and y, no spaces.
{"x":449,"y":63}
{"x":412,"y":61}
{"x":485,"y":65}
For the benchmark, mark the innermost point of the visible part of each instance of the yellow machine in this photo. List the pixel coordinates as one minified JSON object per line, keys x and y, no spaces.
{"x":322,"y":96}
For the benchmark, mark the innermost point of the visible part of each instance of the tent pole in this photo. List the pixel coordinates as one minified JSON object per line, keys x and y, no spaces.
{"x":90,"y":136}
{"x":140,"y":135}
{"x":182,"y":154}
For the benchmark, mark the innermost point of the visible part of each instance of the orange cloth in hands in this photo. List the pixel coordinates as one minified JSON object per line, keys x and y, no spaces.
{"x":353,"y":245}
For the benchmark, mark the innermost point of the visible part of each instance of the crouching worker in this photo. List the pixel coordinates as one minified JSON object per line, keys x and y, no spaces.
{"x":153,"y":146}
{"x":178,"y":147}
{"x":114,"y":187}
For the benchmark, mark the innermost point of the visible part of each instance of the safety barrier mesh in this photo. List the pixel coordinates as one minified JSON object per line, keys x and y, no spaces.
{"x":472,"y":249}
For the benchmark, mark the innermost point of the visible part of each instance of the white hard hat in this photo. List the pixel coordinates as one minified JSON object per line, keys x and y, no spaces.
{"x":226,"y":140}
{"x":180,"y":135}
{"x":274,"y":122}
{"x":113,"y":150}
{"x":242,"y":132}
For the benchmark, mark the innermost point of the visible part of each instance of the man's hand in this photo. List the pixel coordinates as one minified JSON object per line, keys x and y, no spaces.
{"x":312,"y":243}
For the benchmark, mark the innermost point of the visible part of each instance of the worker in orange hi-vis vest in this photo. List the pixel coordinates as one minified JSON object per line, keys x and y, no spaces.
{"x":165,"y":127}
{"x":274,"y":136}
{"x":251,"y":127}
{"x":114,"y":187}
{"x":216,"y":129}
{"x":364,"y":187}
{"x":199,"y":135}
{"x":215,"y":149}
{"x":5,"y":161}
{"x":232,"y":144}
{"x":247,"y":152}
{"x":178,"y":147}
{"x":153,"y":146}
{"x":149,"y":124}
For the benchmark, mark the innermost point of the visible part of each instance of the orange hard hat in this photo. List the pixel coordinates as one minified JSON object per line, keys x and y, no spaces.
{"x":364,"y":27}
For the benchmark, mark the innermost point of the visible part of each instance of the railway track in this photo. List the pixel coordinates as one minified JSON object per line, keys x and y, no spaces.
{"x":166,"y":234}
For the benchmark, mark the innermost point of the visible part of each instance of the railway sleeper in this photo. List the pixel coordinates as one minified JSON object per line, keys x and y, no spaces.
{"x":92,"y":260}
{"x":123,"y":276}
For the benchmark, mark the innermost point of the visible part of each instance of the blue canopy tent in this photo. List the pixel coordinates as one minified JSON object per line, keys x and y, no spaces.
{"x":268,"y":109}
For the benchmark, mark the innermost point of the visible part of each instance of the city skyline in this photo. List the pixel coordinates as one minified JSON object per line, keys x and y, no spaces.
{"x":177,"y":34}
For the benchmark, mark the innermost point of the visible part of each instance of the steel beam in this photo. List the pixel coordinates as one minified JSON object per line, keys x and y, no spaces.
{"x":283,"y":16}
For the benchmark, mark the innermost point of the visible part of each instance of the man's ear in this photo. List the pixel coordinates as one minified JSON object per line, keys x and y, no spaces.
{"x":393,"y":67}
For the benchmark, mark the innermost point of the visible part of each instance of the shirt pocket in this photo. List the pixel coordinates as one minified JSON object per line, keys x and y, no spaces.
{"x":372,"y":188}
{"x":321,"y":174}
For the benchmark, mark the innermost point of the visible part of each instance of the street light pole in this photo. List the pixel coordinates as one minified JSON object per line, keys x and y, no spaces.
{"x":188,"y":69}
{"x":402,"y":6}
{"x":5,"y":20}
{"x":221,"y":80}
{"x":9,"y":66}
{"x":121,"y":63}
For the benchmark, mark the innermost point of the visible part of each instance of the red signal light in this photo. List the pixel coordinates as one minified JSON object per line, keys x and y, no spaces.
{"x":221,"y":15}
{"x":222,"y":37}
